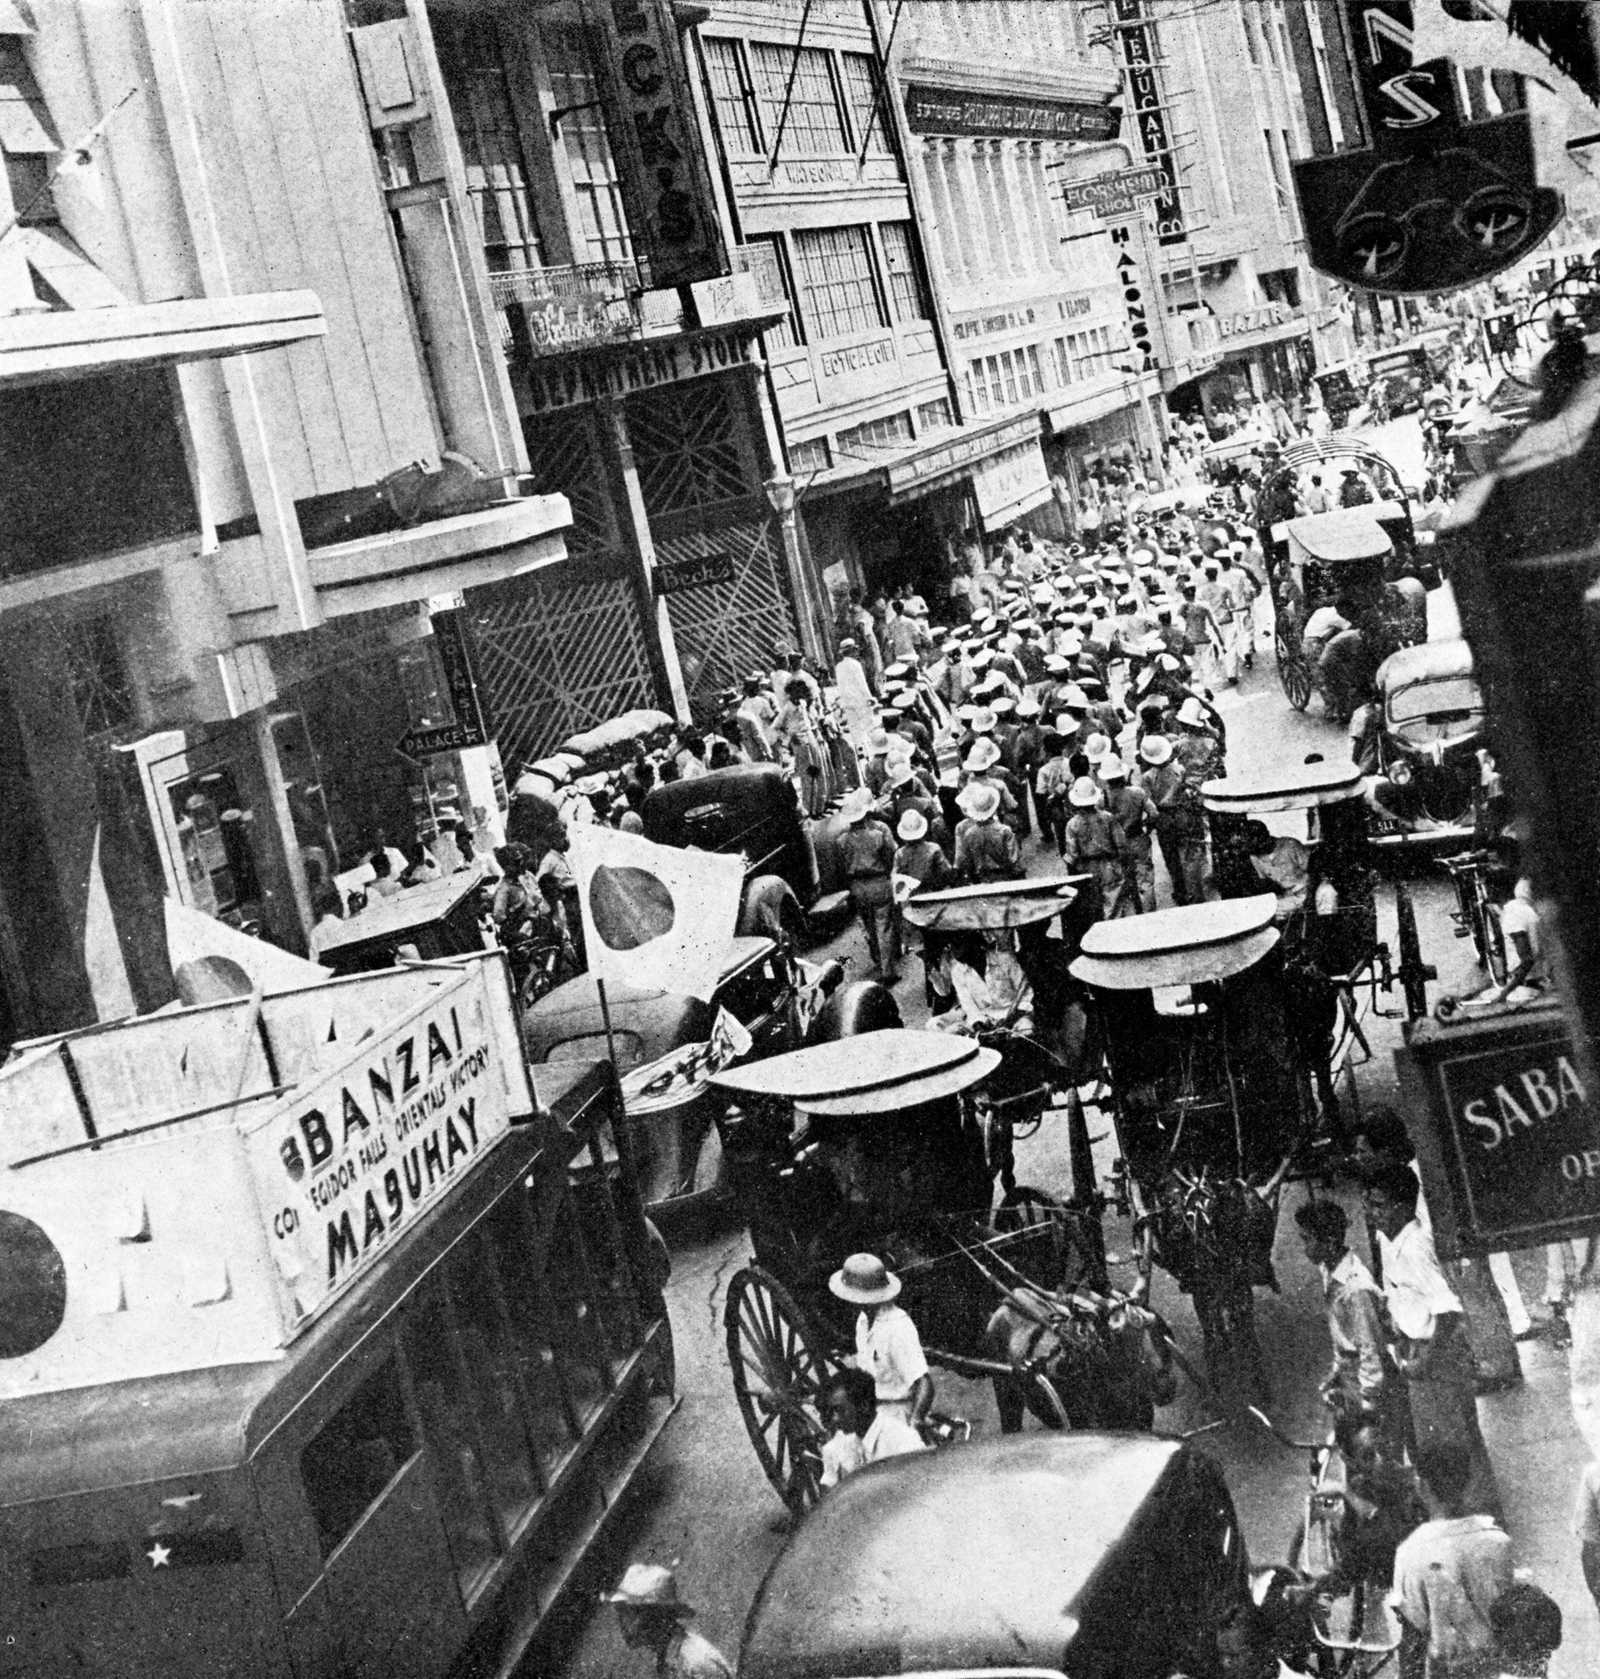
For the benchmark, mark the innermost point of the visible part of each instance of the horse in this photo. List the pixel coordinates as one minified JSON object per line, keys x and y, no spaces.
{"x":1106,"y":1360}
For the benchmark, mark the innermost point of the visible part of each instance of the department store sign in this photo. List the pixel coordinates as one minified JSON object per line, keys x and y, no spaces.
{"x":954,"y":110}
{"x":567,"y":384}
{"x":1515,"y":1159}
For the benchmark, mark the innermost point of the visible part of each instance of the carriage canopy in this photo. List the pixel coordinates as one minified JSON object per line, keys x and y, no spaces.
{"x":1187,"y":945}
{"x":872,"y":1073}
{"x":1345,"y":534}
{"x":1307,"y":788}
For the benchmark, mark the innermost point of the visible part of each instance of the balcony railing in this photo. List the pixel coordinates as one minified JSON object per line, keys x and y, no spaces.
{"x":555,"y":310}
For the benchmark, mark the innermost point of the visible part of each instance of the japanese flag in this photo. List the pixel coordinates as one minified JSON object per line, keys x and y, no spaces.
{"x":655,"y":915}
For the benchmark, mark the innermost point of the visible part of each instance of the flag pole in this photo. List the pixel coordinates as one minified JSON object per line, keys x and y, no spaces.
{"x":619,"y":1123}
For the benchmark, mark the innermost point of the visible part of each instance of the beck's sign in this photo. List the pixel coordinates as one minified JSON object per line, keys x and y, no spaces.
{"x":1512,"y":1157}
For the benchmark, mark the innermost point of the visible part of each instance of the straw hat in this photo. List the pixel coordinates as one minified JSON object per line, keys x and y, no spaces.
{"x":913,"y":825}
{"x":984,"y":720}
{"x":857,"y":806}
{"x":1113,"y":769}
{"x":1097,"y":747}
{"x":1084,"y":794}
{"x":1192,"y":715}
{"x":878,"y":742}
{"x":983,"y":756}
{"x":647,"y":1585}
{"x":979,"y":800}
{"x":1001,"y":705}
{"x":1028,"y":706}
{"x":901,"y":772}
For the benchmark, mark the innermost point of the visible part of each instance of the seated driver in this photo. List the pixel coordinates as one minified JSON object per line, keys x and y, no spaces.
{"x":1283,"y":866}
{"x":859,"y":1432}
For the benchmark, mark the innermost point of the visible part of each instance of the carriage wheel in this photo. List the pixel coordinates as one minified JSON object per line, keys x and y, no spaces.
{"x":1493,"y":956}
{"x":1414,"y":975}
{"x":778,"y":1374}
{"x":1294,"y":672}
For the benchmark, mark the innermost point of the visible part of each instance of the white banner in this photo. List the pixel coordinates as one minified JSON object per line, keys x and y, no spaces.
{"x":346,"y":1166}
{"x":655,"y":915}
{"x":681,"y":1074}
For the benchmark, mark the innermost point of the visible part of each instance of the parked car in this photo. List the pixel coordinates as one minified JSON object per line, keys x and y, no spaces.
{"x":1424,"y":753}
{"x":666,"y":1046}
{"x":1079,"y":1554}
{"x":752,"y":810}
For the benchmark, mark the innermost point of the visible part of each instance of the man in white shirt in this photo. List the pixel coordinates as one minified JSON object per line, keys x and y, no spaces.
{"x":859,"y":1432}
{"x":888,"y":1346}
{"x":1432,"y":1348}
{"x":1449,"y":1572}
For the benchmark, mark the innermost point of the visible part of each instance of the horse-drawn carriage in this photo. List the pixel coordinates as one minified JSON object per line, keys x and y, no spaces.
{"x":876,"y":1144}
{"x":1362,"y":555}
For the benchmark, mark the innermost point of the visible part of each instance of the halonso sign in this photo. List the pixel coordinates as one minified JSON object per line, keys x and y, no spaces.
{"x":663,"y":179}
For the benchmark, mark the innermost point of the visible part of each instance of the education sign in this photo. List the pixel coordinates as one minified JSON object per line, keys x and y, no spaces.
{"x":1512,"y":1157}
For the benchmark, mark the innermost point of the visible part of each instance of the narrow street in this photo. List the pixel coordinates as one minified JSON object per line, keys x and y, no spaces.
{"x":707,"y":1508}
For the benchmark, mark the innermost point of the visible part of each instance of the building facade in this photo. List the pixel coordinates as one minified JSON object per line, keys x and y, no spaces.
{"x":1002,"y":108}
{"x":253,"y":429}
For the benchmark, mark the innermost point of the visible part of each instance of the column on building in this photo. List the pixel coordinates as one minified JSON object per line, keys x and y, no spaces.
{"x":1019,"y":226}
{"x":972,"y":198}
{"x":946,"y":232}
{"x":986,"y":165}
{"x":1031,"y":162}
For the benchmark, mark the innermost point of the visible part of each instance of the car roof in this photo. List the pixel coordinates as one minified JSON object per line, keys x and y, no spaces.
{"x":1433,"y":661}
{"x":975,"y":1556}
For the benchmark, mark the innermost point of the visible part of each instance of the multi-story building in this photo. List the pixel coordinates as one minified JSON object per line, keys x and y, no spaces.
{"x":227,"y":340}
{"x":895,"y":164}
{"x":628,"y":336}
{"x":1212,"y":98}
{"x":1002,"y":107}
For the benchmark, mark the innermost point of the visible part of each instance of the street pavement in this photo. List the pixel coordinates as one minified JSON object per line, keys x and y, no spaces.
{"x":706,"y":1507}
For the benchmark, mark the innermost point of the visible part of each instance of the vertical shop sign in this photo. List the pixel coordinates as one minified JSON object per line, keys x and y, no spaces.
{"x":451,"y":640}
{"x":663,"y":174}
{"x":1134,"y":280}
{"x":1137,"y":51}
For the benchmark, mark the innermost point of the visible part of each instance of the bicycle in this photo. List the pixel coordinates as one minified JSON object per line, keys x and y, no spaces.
{"x":1355,"y":1633}
{"x":1476,"y":915}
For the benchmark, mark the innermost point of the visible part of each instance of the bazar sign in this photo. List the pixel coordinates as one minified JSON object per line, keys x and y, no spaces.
{"x":951,"y":110}
{"x":349,"y":1166}
{"x":1517,"y":1155}
{"x":566,"y":384}
{"x":1245,"y":321}
{"x":1115,"y":193}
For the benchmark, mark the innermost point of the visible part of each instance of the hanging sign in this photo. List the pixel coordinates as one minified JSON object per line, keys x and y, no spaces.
{"x":1435,"y":203}
{"x":662,"y":173}
{"x":1512,"y":1158}
{"x":1118,"y":192}
{"x":1137,"y":49}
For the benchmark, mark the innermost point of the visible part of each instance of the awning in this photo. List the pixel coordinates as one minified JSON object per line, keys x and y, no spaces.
{"x":68,"y":343}
{"x":442,"y":556}
{"x":930,"y":464}
{"x":1011,"y":483}
{"x":1096,"y":404}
